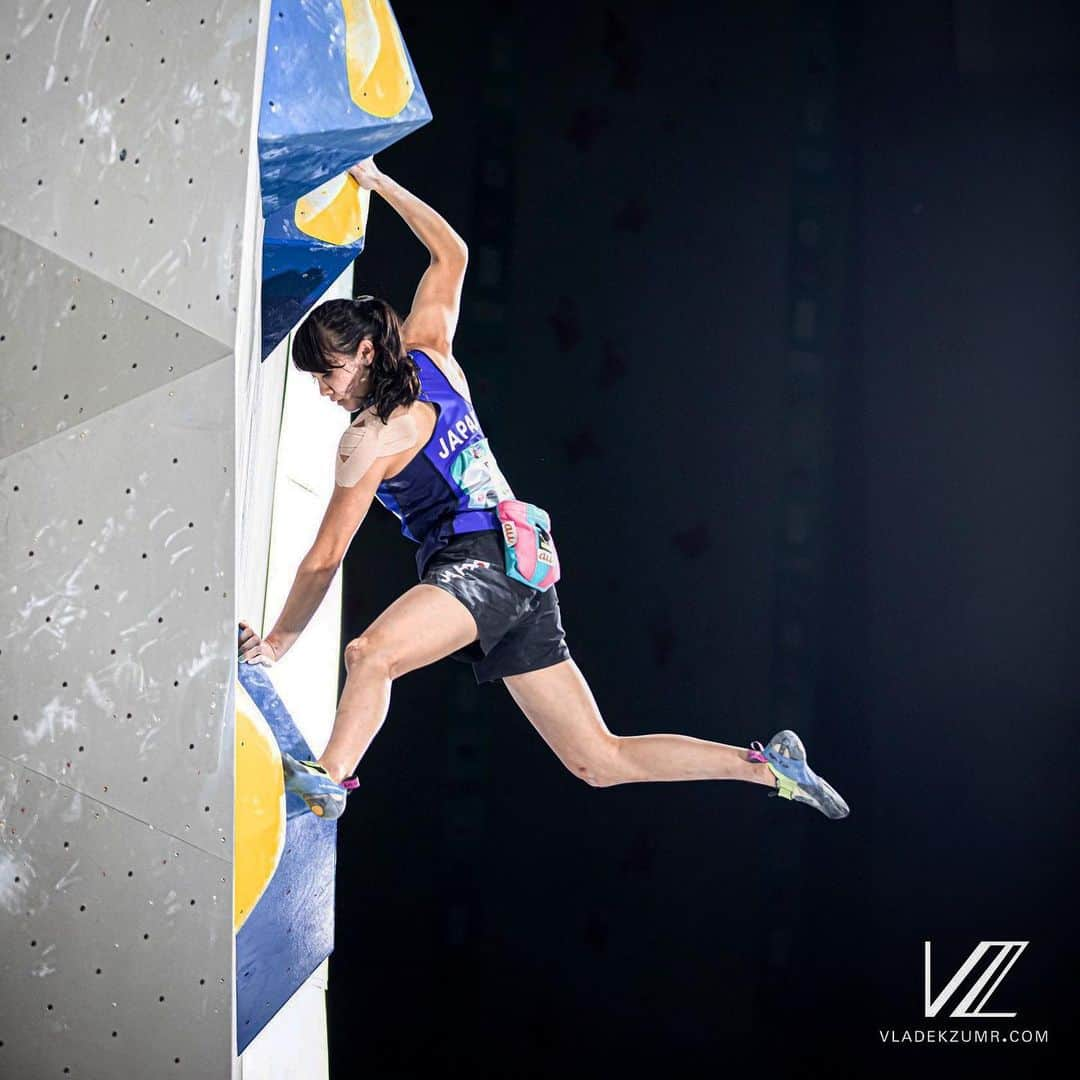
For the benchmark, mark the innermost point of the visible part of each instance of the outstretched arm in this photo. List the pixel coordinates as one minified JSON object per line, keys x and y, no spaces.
{"x":347,"y":509}
{"x":434,"y":315}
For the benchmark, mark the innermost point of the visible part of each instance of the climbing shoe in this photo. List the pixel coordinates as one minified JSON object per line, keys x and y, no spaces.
{"x":785,"y":756}
{"x":312,"y":783}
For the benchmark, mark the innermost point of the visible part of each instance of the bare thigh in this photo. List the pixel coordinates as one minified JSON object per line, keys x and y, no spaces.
{"x":559,"y":704}
{"x":421,"y":626}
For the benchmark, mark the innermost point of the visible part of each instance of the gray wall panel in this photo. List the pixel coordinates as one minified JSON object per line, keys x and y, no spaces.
{"x":116,"y":631}
{"x":72,"y":346}
{"x":92,"y":902}
{"x":124,"y":144}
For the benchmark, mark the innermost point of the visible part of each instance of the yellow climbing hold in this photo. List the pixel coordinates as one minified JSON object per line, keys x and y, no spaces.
{"x":335,"y":213}
{"x":259,"y":823}
{"x":380,"y":81}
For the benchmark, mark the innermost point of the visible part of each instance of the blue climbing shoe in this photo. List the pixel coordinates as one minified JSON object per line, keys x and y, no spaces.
{"x":312,"y":783}
{"x":786,"y":757}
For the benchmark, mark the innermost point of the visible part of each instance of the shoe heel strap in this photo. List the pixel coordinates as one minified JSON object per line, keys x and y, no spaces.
{"x":755,"y":753}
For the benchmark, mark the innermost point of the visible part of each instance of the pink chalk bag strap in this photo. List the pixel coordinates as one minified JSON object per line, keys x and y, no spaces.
{"x":530,"y":550}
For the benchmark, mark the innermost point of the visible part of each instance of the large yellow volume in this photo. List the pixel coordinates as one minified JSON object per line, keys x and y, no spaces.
{"x":380,"y":81}
{"x":335,"y":213}
{"x":259,"y":824}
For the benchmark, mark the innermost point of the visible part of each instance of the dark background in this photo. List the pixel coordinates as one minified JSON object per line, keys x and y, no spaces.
{"x":863,"y":526}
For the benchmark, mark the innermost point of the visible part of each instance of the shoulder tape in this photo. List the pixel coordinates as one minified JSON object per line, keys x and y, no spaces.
{"x":367,"y":439}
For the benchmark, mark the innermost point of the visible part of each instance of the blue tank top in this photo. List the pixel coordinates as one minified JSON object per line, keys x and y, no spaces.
{"x":453,"y":484}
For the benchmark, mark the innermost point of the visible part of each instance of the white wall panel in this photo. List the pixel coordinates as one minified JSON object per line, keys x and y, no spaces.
{"x":91,"y":900}
{"x":73,"y":346}
{"x":124,"y":144}
{"x":117,"y":617}
{"x":127,"y":195}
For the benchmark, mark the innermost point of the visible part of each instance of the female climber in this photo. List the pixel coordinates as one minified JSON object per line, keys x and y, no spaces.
{"x":486,"y":560}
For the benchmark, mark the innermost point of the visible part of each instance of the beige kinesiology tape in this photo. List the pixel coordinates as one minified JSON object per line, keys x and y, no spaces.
{"x":369,"y":438}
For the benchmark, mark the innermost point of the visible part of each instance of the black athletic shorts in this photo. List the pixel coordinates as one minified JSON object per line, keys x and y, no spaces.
{"x":520,"y":628}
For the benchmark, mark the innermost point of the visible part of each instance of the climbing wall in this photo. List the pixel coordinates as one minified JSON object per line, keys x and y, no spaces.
{"x":128,"y":151}
{"x":139,"y":265}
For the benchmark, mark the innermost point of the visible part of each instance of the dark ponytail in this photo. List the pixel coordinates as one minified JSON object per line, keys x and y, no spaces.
{"x":336,"y":327}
